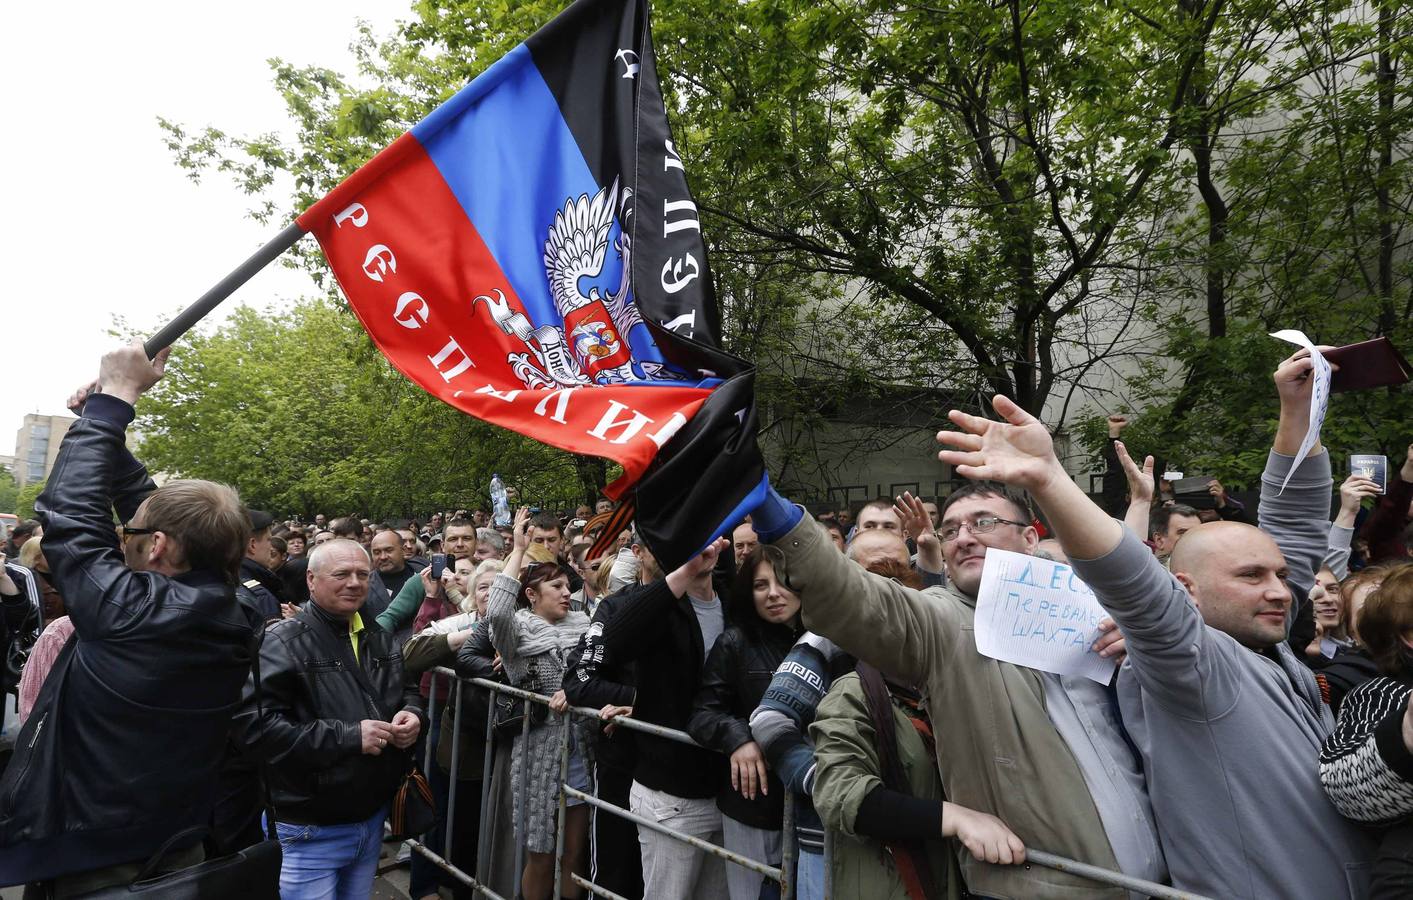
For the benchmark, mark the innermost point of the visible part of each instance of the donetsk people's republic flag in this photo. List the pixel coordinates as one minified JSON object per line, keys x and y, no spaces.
{"x":530,"y":254}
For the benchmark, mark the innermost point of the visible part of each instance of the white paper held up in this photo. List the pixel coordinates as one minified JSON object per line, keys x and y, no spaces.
{"x":1319,"y":396}
{"x":1037,"y":613}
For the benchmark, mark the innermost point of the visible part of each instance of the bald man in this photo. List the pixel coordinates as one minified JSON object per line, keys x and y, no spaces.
{"x":868,"y":547}
{"x":1228,"y":721}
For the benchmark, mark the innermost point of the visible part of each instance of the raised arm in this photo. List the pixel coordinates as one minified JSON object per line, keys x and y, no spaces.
{"x":1140,"y":491}
{"x":1298,"y":517}
{"x":403,"y":608}
{"x":80,"y":541}
{"x":1351,"y":496}
{"x":898,"y":629}
{"x":1159,"y":623}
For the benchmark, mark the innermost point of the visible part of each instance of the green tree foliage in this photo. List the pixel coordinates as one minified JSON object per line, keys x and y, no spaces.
{"x":9,"y":491}
{"x":24,"y":501}
{"x":1303,"y":222}
{"x":1082,"y":205}
{"x":300,"y":413}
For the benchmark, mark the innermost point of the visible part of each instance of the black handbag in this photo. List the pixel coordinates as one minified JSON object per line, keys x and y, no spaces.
{"x":249,"y":874}
{"x":510,"y":716}
{"x":412,"y":812}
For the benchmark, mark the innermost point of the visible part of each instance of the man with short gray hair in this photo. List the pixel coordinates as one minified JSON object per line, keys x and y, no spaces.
{"x":489,"y":545}
{"x":333,"y":764}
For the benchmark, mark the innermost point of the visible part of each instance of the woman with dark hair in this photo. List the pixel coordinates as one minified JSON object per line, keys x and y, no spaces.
{"x":533,"y":629}
{"x":1366,"y":762}
{"x":736,"y":674}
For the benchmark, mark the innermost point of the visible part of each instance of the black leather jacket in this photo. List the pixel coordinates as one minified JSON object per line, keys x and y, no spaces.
{"x":660,"y":635}
{"x":313,"y":702}
{"x":122,"y":749}
{"x":260,"y":591}
{"x":738,"y":671}
{"x":608,"y":685}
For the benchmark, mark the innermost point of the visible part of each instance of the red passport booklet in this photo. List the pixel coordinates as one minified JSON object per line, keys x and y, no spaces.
{"x":1368,"y":364}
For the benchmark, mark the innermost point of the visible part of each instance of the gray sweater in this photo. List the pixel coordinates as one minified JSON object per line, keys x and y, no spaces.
{"x":1230,"y":737}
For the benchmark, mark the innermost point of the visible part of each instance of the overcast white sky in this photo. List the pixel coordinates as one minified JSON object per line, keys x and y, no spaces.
{"x":95,"y":218}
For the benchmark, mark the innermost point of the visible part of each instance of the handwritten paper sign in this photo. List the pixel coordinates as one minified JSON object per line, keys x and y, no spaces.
{"x":1037,"y":613}
{"x":1319,"y":396}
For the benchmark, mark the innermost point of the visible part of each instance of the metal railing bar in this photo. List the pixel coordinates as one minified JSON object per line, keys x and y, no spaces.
{"x":563,"y":806}
{"x":771,"y":872}
{"x":789,"y":853}
{"x":483,"y":835}
{"x":522,"y":832}
{"x":453,"y":871}
{"x":447,"y":823}
{"x":788,"y":847}
{"x":431,"y":717}
{"x":592,"y":888}
{"x":1106,"y":876}
{"x":628,"y":722}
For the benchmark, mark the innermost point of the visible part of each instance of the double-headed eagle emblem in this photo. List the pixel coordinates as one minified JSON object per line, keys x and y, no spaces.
{"x":591,"y":347}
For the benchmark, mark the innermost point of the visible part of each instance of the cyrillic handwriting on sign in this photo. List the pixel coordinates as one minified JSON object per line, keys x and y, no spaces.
{"x":1037,"y":613}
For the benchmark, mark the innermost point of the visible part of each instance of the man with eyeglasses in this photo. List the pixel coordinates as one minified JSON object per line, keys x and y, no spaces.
{"x":121,"y":751}
{"x":1229,"y":721}
{"x":1044,"y":754}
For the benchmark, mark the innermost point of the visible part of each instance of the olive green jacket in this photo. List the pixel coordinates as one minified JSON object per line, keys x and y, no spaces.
{"x":996,"y":747}
{"x":847,"y":769}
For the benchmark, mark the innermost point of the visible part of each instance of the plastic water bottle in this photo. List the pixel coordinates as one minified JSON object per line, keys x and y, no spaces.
{"x":500,"y":503}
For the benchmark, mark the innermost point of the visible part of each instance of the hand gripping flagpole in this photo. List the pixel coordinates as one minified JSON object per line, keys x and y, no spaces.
{"x":223,"y":289}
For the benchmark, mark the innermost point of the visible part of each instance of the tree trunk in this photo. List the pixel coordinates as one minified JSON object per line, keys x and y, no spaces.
{"x":1384,"y":139}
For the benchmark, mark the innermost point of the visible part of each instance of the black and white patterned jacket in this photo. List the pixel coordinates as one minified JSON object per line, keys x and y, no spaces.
{"x":1365,"y":767}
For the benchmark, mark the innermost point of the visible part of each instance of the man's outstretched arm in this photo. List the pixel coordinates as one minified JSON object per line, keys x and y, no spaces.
{"x":1159,"y":623}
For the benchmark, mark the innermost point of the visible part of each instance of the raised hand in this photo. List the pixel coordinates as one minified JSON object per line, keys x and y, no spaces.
{"x":1292,"y":376}
{"x":913,"y":515}
{"x":521,"y":528}
{"x":1351,"y":495}
{"x":697,"y":570}
{"x":79,"y":397}
{"x":1219,"y":493}
{"x":127,"y":373}
{"x":1017,"y":451}
{"x":1140,"y":479}
{"x":1116,"y":425}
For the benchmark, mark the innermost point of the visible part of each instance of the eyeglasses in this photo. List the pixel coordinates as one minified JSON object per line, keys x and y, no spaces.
{"x":982,"y":525}
{"x":129,"y":531}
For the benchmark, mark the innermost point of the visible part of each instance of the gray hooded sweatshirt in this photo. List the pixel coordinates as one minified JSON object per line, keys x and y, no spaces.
{"x":1230,"y":737}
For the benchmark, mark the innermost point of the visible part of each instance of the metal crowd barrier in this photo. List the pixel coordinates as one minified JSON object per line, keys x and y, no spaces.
{"x":789,"y":851}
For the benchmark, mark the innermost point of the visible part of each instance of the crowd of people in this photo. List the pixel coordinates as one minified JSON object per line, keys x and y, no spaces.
{"x":205,"y":678}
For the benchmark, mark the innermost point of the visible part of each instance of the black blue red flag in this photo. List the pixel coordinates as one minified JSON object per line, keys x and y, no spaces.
{"x":530,"y":254}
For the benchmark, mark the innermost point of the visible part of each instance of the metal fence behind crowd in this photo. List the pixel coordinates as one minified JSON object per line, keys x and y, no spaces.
{"x":789,"y":849}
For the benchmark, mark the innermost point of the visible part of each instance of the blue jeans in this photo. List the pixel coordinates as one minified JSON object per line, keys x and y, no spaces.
{"x":809,"y":876}
{"x":330,"y":862}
